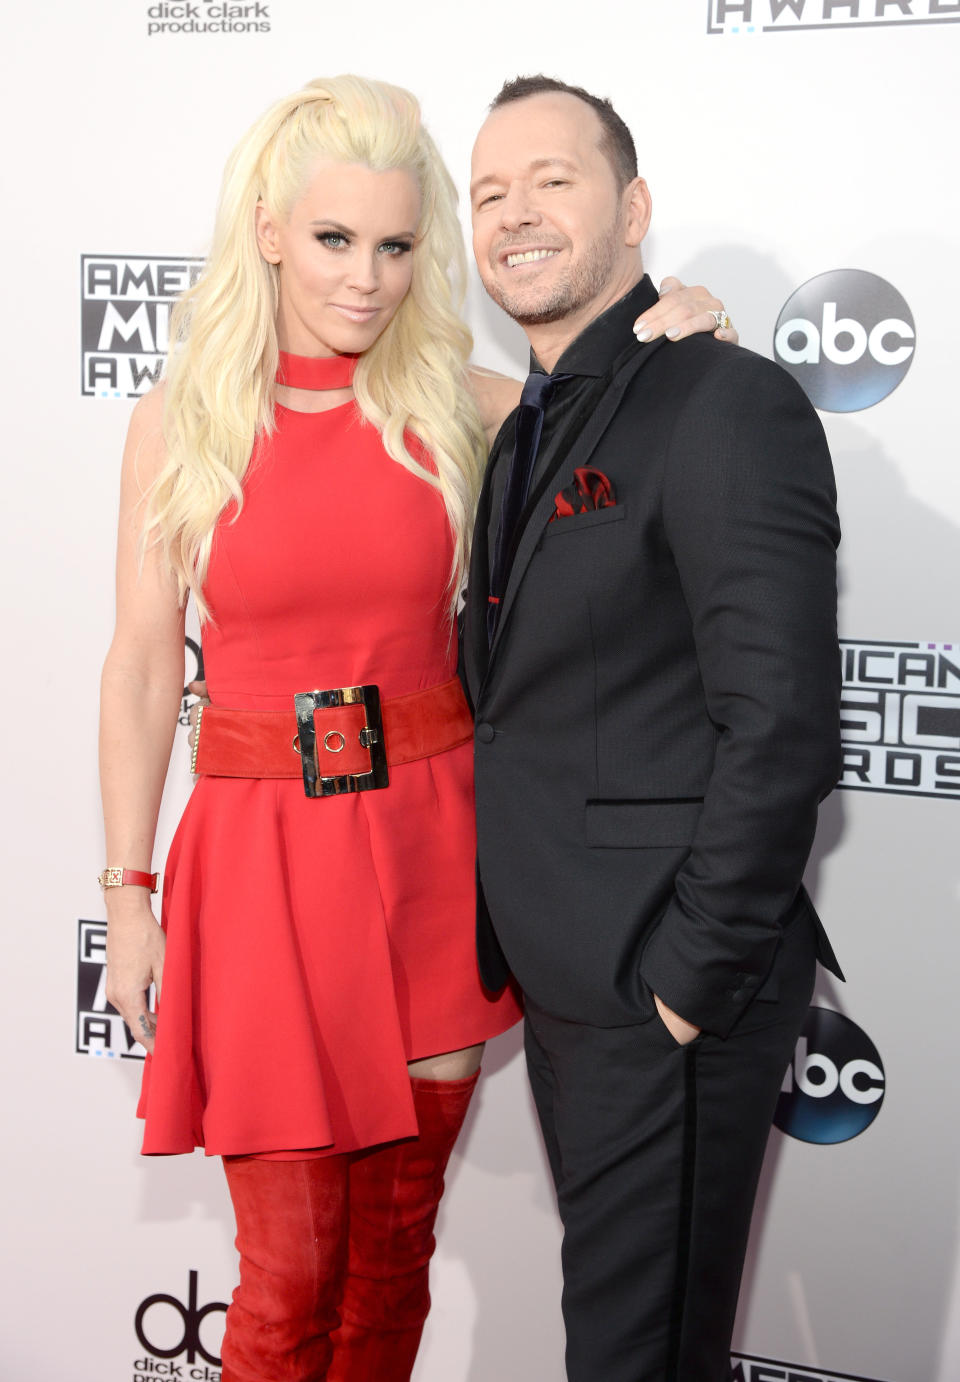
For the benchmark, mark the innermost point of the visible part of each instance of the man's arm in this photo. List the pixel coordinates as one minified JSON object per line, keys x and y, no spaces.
{"x":749,"y":510}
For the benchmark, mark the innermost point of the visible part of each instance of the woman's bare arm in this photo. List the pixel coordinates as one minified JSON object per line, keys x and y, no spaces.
{"x":141,"y":687}
{"x":496,"y":396}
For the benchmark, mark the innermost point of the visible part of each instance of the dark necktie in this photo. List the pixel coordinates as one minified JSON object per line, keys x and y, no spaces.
{"x":533,"y":401}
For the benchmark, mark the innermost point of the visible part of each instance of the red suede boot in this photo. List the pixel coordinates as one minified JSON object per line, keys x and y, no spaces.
{"x":394,"y":1195}
{"x":292,"y":1240}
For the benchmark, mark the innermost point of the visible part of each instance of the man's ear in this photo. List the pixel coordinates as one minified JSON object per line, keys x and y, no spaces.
{"x":638,"y":207}
{"x":267,"y":237}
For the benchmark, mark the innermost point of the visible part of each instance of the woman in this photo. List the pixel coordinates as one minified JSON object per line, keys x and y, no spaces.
{"x":309,"y":471}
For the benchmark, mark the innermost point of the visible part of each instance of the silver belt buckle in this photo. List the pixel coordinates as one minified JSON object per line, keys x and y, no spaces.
{"x":306,"y":704}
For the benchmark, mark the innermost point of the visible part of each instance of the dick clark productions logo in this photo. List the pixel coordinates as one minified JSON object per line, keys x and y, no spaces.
{"x":207,"y":17}
{"x":834,"y":1086}
{"x":847,"y":337}
{"x":168,"y":1326}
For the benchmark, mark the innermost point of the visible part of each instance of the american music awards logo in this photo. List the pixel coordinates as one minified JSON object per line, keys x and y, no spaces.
{"x":751,"y":17}
{"x":125,"y":307}
{"x":101,"y":1031}
{"x":900,"y":718}
{"x":744,"y":1368}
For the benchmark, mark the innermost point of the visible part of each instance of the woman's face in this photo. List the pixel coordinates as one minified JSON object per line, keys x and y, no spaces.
{"x":345,"y":257}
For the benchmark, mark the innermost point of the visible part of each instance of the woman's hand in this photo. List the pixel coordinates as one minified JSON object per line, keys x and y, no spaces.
{"x":683,"y":311}
{"x":135,"y":950}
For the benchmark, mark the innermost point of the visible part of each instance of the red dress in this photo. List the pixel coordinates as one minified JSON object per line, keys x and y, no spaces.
{"x":314,"y":946}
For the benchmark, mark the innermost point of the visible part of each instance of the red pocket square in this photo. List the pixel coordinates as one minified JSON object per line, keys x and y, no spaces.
{"x":590,"y":490}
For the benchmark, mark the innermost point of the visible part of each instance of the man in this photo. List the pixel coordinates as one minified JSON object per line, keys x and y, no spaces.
{"x":650,"y":647}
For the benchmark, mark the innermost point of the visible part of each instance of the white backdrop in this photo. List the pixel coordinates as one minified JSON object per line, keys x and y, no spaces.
{"x":781,"y":141}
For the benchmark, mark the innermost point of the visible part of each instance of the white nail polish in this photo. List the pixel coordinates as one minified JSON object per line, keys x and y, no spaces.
{"x":642,"y":333}
{"x":673,"y":332}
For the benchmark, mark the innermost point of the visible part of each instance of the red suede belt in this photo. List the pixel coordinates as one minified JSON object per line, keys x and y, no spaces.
{"x":341,"y":740}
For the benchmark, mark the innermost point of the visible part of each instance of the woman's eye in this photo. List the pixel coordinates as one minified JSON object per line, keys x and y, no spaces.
{"x":332,"y":239}
{"x":396,"y":247}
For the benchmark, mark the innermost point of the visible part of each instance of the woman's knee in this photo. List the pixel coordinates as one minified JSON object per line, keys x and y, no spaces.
{"x":292,"y":1220}
{"x":449,"y":1065}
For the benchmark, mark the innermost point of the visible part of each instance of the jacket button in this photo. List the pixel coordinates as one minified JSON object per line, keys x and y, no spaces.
{"x":485,"y":732}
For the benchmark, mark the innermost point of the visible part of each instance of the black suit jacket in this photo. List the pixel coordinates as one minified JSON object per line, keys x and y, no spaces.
{"x":658,"y":716}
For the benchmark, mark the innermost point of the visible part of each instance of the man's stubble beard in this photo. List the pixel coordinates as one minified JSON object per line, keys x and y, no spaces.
{"x":582,"y":283}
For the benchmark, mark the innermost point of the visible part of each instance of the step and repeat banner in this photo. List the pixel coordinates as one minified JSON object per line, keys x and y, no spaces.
{"x":802,"y":160}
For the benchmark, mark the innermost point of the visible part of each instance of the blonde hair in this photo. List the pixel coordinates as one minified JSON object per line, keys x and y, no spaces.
{"x":220,"y":387}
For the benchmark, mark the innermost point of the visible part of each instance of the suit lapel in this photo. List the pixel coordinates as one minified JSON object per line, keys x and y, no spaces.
{"x":631,"y":362}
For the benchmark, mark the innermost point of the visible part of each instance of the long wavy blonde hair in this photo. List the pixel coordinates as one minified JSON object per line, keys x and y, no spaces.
{"x":223,"y":357}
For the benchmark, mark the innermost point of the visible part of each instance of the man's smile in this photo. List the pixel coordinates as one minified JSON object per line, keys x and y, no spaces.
{"x":528,"y":256}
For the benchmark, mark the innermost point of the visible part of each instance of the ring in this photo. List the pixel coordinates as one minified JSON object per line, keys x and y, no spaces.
{"x":721,"y":318}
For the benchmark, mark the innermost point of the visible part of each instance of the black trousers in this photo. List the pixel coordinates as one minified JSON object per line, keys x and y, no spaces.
{"x":656,"y":1151}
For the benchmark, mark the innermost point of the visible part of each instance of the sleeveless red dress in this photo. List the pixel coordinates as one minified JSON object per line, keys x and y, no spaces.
{"x":314,"y":946}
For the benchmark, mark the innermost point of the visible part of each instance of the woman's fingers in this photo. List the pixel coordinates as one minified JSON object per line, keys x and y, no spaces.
{"x":144,"y":1028}
{"x":132,"y":1007}
{"x":705,"y":321}
{"x":683,"y":311}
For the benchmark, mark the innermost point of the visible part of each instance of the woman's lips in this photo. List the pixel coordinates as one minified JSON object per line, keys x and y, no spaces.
{"x":356,"y":314}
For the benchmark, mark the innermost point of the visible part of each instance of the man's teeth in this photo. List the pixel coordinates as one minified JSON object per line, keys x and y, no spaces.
{"x":529,"y":256}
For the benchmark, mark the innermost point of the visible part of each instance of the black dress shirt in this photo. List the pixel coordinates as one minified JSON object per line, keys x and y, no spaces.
{"x":597,"y":351}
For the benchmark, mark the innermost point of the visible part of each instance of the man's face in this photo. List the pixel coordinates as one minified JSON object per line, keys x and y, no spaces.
{"x":549,"y":221}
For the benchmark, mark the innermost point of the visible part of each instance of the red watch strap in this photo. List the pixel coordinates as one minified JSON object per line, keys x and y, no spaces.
{"x":117,"y":878}
{"x":141,"y":879}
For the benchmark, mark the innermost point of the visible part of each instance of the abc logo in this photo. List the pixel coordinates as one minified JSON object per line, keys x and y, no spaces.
{"x":847,"y":337}
{"x":834,"y":1087}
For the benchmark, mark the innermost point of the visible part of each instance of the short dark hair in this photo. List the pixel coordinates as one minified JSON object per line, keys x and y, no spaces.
{"x":616,"y":141}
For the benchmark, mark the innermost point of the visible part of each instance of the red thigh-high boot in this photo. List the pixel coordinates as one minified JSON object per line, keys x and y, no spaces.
{"x":394,"y":1195}
{"x":292,"y":1240}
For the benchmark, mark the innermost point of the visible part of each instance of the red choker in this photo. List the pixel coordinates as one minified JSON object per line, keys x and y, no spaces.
{"x":322,"y":372}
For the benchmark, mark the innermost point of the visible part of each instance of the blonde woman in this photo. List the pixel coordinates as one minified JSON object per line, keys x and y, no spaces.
{"x":308,"y":472}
